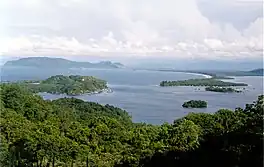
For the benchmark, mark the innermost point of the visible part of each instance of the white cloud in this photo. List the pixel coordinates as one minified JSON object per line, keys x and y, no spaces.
{"x":175,"y":27}
{"x":213,"y":43}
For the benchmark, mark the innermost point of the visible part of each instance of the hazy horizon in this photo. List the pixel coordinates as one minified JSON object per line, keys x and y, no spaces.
{"x":128,"y":30}
{"x":155,"y":63}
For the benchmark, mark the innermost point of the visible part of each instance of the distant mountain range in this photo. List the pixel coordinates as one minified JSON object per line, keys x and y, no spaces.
{"x":47,"y":62}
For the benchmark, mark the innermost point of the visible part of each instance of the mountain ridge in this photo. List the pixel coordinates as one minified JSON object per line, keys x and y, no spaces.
{"x":48,"y":62}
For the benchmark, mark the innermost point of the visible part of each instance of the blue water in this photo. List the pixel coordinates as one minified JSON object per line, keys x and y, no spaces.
{"x":139,"y":94}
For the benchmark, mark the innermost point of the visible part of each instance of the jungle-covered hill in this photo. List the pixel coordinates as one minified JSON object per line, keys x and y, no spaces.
{"x":70,"y":85}
{"x":71,"y":132}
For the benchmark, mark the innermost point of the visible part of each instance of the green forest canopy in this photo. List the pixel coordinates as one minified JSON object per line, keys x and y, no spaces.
{"x":222,"y":89}
{"x":200,"y":82}
{"x":70,"y":85}
{"x":195,"y":104}
{"x":71,"y":132}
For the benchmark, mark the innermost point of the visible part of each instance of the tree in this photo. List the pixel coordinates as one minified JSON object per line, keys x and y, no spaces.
{"x":184,"y":136}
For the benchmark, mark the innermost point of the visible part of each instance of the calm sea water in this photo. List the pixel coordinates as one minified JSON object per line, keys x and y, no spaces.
{"x":137,"y":92}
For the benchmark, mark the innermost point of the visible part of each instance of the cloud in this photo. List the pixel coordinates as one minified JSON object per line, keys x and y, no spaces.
{"x":190,"y":28}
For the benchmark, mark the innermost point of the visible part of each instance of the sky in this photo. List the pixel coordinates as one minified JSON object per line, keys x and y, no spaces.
{"x":195,"y":29}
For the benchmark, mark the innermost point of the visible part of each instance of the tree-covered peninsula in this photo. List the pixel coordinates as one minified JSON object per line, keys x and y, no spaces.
{"x":222,"y":74}
{"x":195,"y":104}
{"x":72,"y":133}
{"x":222,"y":89}
{"x":70,"y":85}
{"x":200,"y":82}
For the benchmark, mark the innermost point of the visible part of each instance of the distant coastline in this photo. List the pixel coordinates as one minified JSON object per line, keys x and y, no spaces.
{"x":200,"y":74}
{"x":219,"y":74}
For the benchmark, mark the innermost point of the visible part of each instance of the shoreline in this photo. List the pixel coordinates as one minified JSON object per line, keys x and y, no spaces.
{"x":201,"y":74}
{"x":108,"y":90}
{"x":186,"y":72}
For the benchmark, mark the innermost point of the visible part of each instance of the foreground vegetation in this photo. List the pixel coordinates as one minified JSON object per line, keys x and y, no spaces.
{"x":195,"y":104}
{"x":71,"y":132}
{"x":70,"y":85}
{"x":222,"y":89}
{"x":200,"y":82}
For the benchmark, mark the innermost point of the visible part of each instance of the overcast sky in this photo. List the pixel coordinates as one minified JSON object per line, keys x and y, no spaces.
{"x":140,"y":28}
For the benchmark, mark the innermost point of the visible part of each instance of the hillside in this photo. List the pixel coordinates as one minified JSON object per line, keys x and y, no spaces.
{"x":47,"y":62}
{"x":72,"y":132}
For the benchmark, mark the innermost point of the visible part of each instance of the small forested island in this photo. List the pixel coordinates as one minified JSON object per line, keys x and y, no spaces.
{"x":70,"y":85}
{"x":222,"y":89}
{"x":71,"y":132}
{"x":195,"y":104}
{"x":200,"y":82}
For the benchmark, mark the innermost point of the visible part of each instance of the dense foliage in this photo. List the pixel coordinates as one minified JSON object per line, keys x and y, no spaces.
{"x":84,"y":111}
{"x":195,"y":104}
{"x":71,"y":132}
{"x":200,"y":82}
{"x":222,"y":89}
{"x":70,"y":85}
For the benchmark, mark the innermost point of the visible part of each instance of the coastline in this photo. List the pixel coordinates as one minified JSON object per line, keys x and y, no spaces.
{"x":205,"y":75}
{"x":201,"y":74}
{"x":107,"y":90}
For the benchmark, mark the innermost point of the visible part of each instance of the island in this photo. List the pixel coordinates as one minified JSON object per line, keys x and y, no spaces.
{"x":200,"y":82}
{"x":222,"y":89}
{"x":195,"y":104}
{"x":59,"y":63}
{"x":70,"y":85}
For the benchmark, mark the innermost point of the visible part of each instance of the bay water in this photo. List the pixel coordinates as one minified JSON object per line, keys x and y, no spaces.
{"x":138,"y":91}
